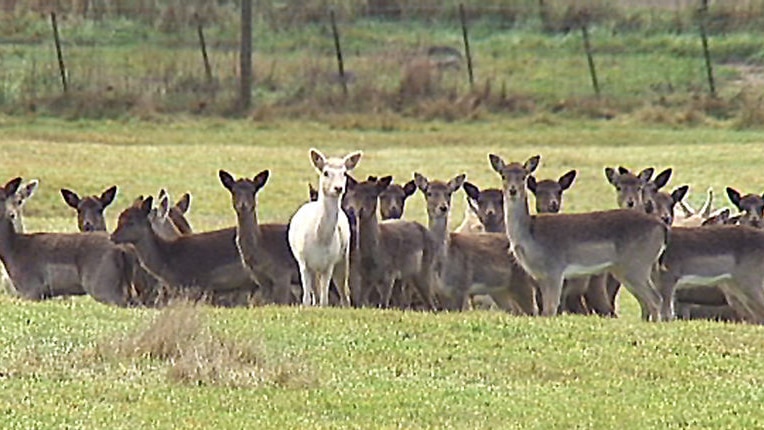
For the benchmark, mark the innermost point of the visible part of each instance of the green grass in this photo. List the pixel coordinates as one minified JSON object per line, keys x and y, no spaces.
{"x":369,"y":368}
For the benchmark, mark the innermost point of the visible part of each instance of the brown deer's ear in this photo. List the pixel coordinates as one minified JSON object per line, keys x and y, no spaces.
{"x":226,"y":179}
{"x":532,"y":164}
{"x":383,"y":183}
{"x":473,"y":192}
{"x":146,"y":205}
{"x":496,"y":162}
{"x":312,"y":192}
{"x":409,"y":188}
{"x":662,"y":179}
{"x":622,"y":170}
{"x":678,"y":194}
{"x":351,"y":181}
{"x":184,"y":203}
{"x":12,"y":186}
{"x":70,"y":197}
{"x":108,"y":196}
{"x":456,"y":182}
{"x":421,"y":182}
{"x":610,"y":174}
{"x":371,"y":178}
{"x":567,"y":179}
{"x":531,"y":181}
{"x":29,"y":189}
{"x":260,"y":179}
{"x":646,"y":174}
{"x":734,"y":196}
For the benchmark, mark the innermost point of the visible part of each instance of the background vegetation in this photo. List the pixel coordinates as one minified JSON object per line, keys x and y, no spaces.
{"x":142,"y":59}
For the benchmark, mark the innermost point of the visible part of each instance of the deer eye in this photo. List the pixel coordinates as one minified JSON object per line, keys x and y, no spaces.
{"x":326,"y":174}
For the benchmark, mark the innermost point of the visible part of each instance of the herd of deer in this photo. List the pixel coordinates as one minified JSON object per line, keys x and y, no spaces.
{"x":337,"y":250}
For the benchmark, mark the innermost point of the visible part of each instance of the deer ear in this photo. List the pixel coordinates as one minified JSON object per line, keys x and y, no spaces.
{"x":70,"y":197}
{"x":646,"y":174}
{"x":567,"y":179}
{"x":532,"y":164}
{"x":317,"y":158}
{"x":383,"y":183}
{"x":734,"y":196}
{"x":421,"y":182}
{"x":313,"y":193}
{"x":108,"y":196}
{"x":622,"y":170}
{"x":351,"y":160}
{"x":146,"y":205}
{"x":260,"y":179}
{"x":371,"y":178}
{"x":473,"y":206}
{"x":496,"y":162}
{"x":29,"y":189}
{"x":184,"y":203}
{"x":662,"y":179}
{"x":409,"y":188}
{"x":226,"y":179}
{"x":473,"y":192}
{"x":456,"y":183}
{"x":678,"y":194}
{"x":610,"y":175}
{"x":531,"y":181}
{"x":164,"y":207}
{"x":351,"y":181}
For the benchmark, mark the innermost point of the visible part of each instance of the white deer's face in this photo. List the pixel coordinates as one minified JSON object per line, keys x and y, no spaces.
{"x":332,"y":180}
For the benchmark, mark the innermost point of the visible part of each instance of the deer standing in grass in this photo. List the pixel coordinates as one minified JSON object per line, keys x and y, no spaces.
{"x":554,"y":247}
{"x":469,"y":264}
{"x":45,"y":265}
{"x":319,"y":232}
{"x":208,"y":261}
{"x":264,"y":248}
{"x":392,"y":250}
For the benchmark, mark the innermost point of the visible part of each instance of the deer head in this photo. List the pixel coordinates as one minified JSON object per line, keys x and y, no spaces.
{"x":751,"y":206}
{"x":244,"y":190}
{"x":438,"y":194}
{"x":362,"y":197}
{"x":549,"y":193}
{"x":628,"y":186}
{"x":133,"y":223}
{"x":90,"y":209}
{"x":514,"y":176}
{"x":332,"y":171}
{"x":488,"y":205}
{"x":15,"y":203}
{"x":393,"y":199}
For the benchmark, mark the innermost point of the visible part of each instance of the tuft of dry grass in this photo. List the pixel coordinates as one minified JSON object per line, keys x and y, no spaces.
{"x":199,"y":355}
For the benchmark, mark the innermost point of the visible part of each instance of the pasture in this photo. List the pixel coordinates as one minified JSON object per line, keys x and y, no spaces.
{"x":329,"y":368}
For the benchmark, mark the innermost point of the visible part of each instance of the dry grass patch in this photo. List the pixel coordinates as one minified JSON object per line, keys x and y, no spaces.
{"x":197,"y":354}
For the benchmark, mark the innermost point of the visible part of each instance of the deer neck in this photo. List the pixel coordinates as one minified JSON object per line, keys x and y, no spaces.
{"x":248,"y":229}
{"x":7,"y":238}
{"x":368,"y":235}
{"x":517,"y":219}
{"x":438,"y":226}
{"x":152,"y":250}
{"x":329,"y":208}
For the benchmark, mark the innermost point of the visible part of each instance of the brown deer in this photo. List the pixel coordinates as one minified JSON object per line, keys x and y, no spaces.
{"x":548,"y":193}
{"x":264,"y":248}
{"x":90,"y":209}
{"x":208,"y":261}
{"x":391,"y":250}
{"x":553,"y":247}
{"x":177,"y":212}
{"x":473,"y":264}
{"x":751,"y":207}
{"x":728,"y":256}
{"x":488,"y":205}
{"x":45,"y":265}
{"x":14,"y":206}
{"x":393,"y":200}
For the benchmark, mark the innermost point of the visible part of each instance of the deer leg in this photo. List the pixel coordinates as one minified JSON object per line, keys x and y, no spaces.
{"x":573,"y":296}
{"x":638,"y":282}
{"x":341,"y":277}
{"x":597,"y":298}
{"x":612,"y":287}
{"x":551,"y":294}
{"x":308,"y":280}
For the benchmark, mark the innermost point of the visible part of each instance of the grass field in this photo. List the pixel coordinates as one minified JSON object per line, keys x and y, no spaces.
{"x":60,"y":364}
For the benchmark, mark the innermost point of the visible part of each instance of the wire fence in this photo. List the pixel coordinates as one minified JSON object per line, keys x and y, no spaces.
{"x":98,"y":58}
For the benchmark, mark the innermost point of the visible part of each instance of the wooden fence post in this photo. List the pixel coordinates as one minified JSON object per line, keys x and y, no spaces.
{"x":590,"y":59}
{"x":702,"y":16}
{"x":465,"y":36}
{"x":338,"y":50}
{"x":59,"y":53}
{"x":203,"y":45}
{"x":245,"y":55}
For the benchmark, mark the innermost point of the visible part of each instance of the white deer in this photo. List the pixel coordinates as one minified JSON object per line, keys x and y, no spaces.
{"x":319,"y":232}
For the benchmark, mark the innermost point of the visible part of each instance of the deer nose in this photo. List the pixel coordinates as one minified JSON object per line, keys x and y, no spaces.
{"x":443,"y":208}
{"x":513,"y":191}
{"x":338,"y":189}
{"x":554,"y":207}
{"x":87,"y":227}
{"x":630,"y":204}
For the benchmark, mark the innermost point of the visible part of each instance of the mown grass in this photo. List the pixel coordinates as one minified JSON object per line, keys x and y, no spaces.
{"x":61,"y":365}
